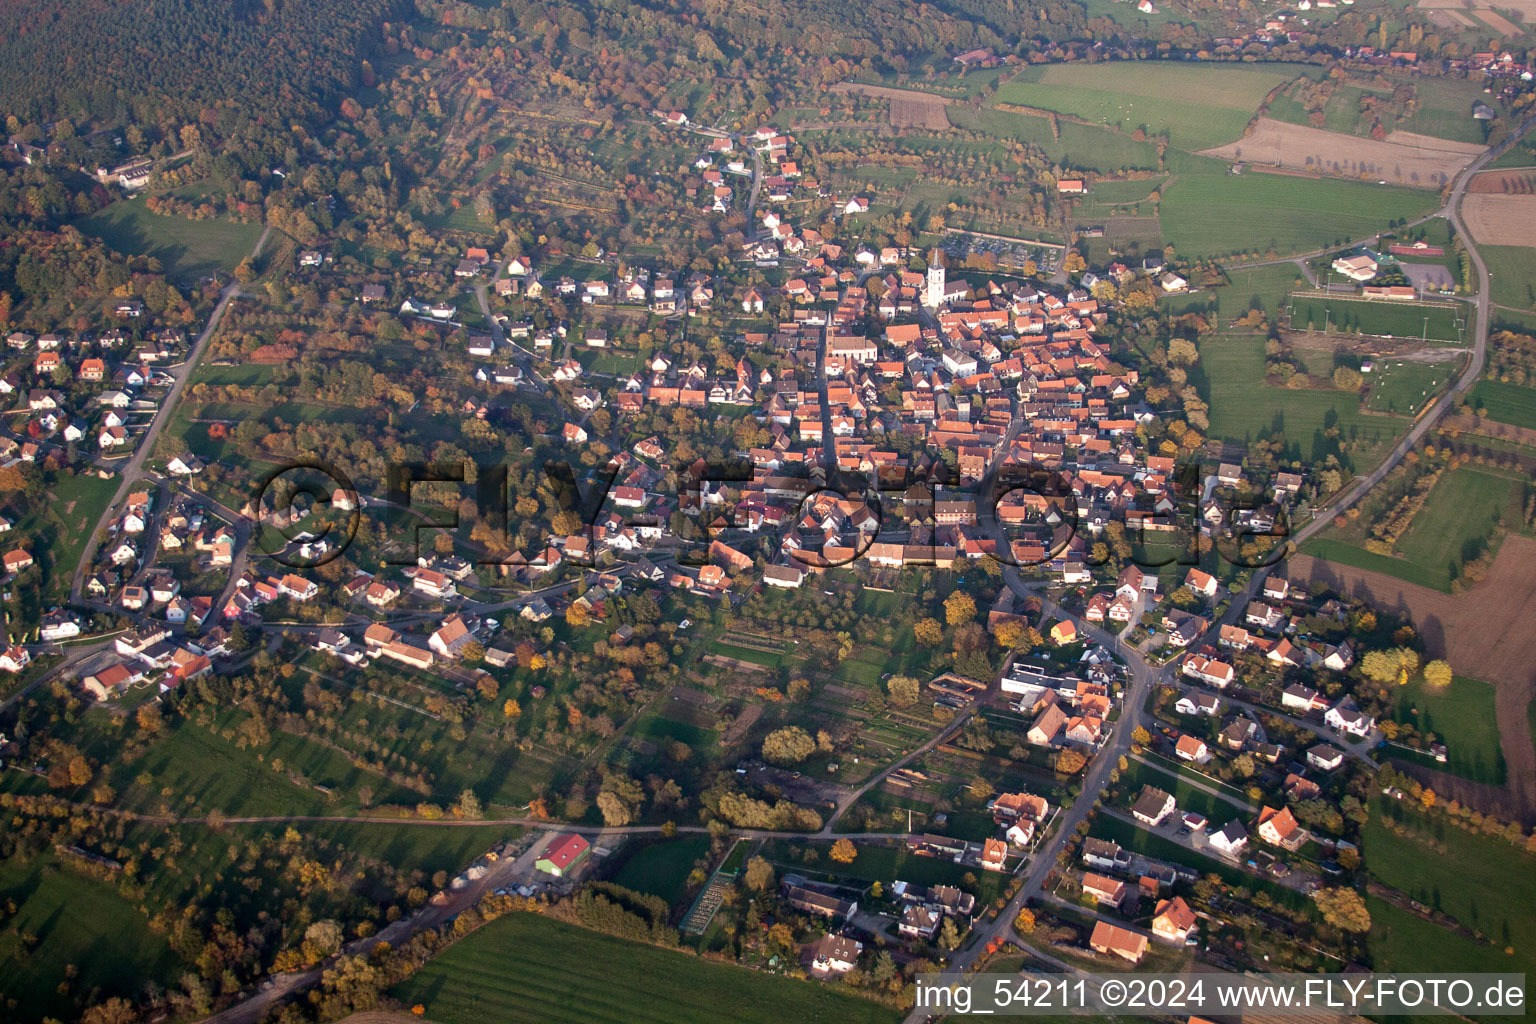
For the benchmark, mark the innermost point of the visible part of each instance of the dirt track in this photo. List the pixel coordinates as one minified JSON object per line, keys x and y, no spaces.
{"x":1484,"y":633}
{"x":1402,"y":157}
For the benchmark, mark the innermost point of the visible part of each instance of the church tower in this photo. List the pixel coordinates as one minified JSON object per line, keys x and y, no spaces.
{"x":933,"y":294}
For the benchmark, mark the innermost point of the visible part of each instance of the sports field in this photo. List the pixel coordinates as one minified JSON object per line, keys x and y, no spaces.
{"x":1383,"y":318}
{"x":1213,"y":214}
{"x":1197,"y":106}
{"x":523,"y":967}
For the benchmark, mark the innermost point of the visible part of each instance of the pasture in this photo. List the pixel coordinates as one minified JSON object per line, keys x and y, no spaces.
{"x":1197,"y":107}
{"x":1406,"y":387}
{"x":524,"y":967}
{"x":1210,"y":214}
{"x":1313,"y":311}
{"x":187,"y":249}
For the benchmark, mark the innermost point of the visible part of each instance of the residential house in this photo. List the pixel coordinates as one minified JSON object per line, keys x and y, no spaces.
{"x":1173,"y":920}
{"x":1152,"y":806}
{"x":1122,"y":942}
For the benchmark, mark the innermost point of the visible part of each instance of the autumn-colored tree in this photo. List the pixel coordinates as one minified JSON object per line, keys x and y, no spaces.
{"x":1024,"y":922}
{"x":789,"y":745}
{"x":1344,"y":909}
{"x":1438,"y":674}
{"x":928,"y":632}
{"x":904,"y":690}
{"x":1070,"y":762}
{"x":511,"y":708}
{"x":759,"y":874}
{"x":959,"y":608}
{"x":844,"y":852}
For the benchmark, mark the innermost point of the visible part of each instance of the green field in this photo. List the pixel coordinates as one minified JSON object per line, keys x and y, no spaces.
{"x":1199,"y":107}
{"x":1406,"y":388}
{"x":1079,"y":145}
{"x":1507,"y":403}
{"x":528,"y":968}
{"x":1464,"y":718}
{"x":1243,"y":407}
{"x":188,"y":249}
{"x":1454,"y":526}
{"x":1209,"y":214}
{"x":1513,"y":272}
{"x":1432,"y":322}
{"x":1471,"y":877}
{"x":77,"y":922}
{"x":663,"y":868}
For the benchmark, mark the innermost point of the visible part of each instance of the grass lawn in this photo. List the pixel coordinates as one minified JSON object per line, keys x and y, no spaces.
{"x":1215,"y":213}
{"x":1219,"y":810}
{"x":1405,"y":388}
{"x":1473,"y":878}
{"x":1197,"y":106}
{"x":1244,"y":408}
{"x":1506,"y":403}
{"x":79,"y":922}
{"x":188,"y":249}
{"x":1464,"y":718}
{"x":1309,"y":312}
{"x":1453,"y":527}
{"x":528,"y":968}
{"x":663,"y":868}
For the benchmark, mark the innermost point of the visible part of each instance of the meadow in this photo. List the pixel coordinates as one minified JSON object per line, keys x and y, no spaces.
{"x":1507,"y":403}
{"x":663,"y":868}
{"x":1243,"y":407}
{"x":1079,"y":146}
{"x":1432,"y":322}
{"x":1464,"y":718}
{"x":1196,"y":106}
{"x":1456,"y":524}
{"x":1512,"y":273}
{"x":76,"y":922}
{"x":1467,"y":876}
{"x":523,"y":967}
{"x":1215,"y":213}
{"x":187,"y":249}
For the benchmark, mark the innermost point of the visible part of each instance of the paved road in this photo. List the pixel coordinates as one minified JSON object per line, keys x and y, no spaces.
{"x":131,"y":470}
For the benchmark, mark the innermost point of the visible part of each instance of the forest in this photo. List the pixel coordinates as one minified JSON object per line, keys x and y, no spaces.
{"x":175,"y":60}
